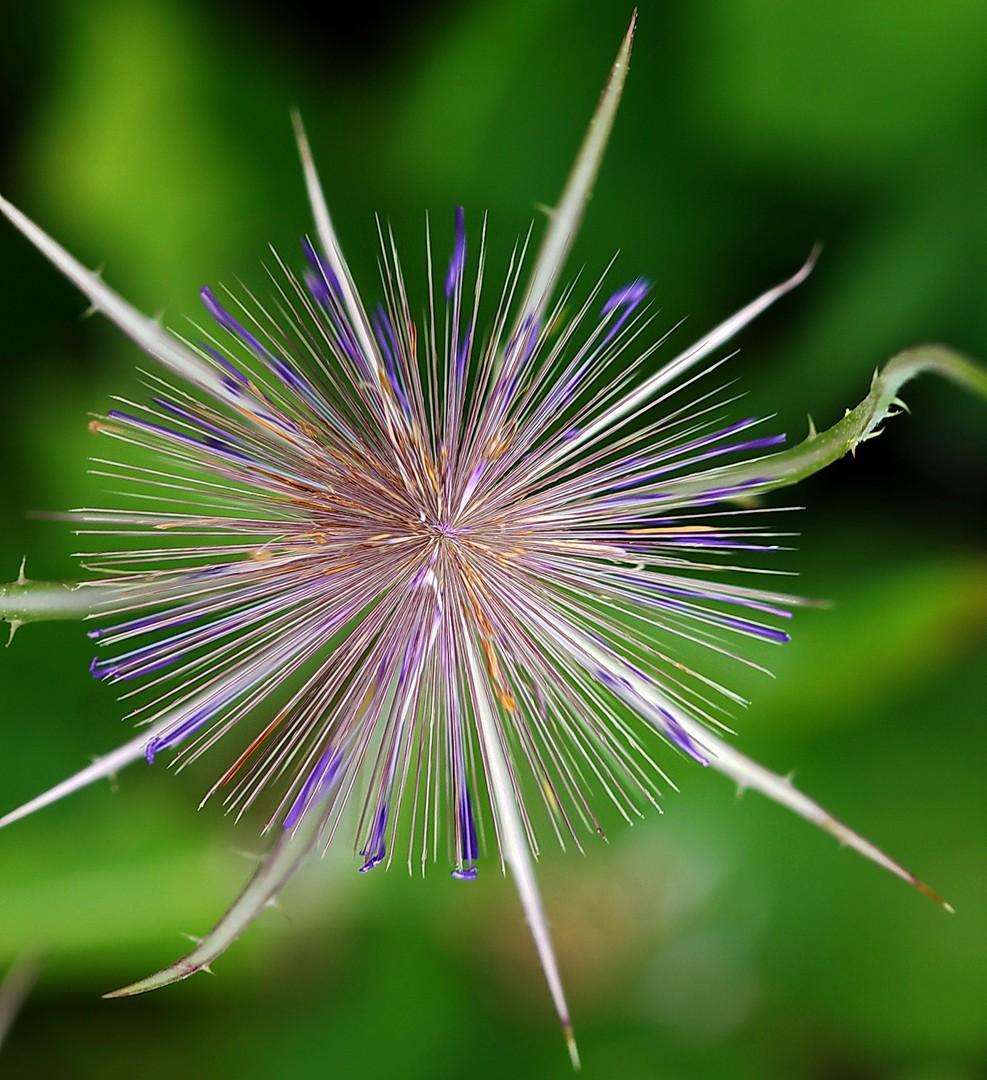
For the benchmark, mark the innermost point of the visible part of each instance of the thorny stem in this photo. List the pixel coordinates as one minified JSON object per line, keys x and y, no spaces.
{"x":820,"y":449}
{"x":273,"y":871}
{"x":25,"y":601}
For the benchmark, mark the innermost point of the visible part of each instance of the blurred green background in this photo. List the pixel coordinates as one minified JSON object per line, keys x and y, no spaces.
{"x":725,"y":939}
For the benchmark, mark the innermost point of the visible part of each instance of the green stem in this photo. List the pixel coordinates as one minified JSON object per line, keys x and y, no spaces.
{"x":24,"y":601}
{"x":823,"y":448}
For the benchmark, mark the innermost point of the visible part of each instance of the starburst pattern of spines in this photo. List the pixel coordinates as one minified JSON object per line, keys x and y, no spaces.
{"x":438,"y":562}
{"x":348,"y":509}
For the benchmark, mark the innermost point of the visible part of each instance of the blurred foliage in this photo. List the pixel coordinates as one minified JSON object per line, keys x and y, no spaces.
{"x":721,"y":941}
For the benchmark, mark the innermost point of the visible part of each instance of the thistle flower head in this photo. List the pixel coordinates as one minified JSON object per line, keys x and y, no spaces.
{"x":388,"y":548}
{"x":431,"y":580}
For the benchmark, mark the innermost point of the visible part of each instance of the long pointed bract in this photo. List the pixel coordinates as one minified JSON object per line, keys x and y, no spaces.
{"x":331,"y":248}
{"x":647,"y":698}
{"x":102,"y":768}
{"x":608,"y":422}
{"x":514,"y":845}
{"x":146,"y":333}
{"x":274,"y":870}
{"x":565,"y":219}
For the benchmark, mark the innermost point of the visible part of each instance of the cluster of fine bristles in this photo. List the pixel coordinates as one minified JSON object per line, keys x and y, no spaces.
{"x":431,"y":581}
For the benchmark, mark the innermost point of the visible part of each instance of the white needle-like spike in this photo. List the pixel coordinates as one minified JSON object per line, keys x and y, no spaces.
{"x":132,"y":750}
{"x":514,"y":844}
{"x":565,"y":219}
{"x":747,"y":773}
{"x":100,"y":769}
{"x":331,"y":249}
{"x":645,"y":697}
{"x":674,"y":369}
{"x":148,"y":334}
